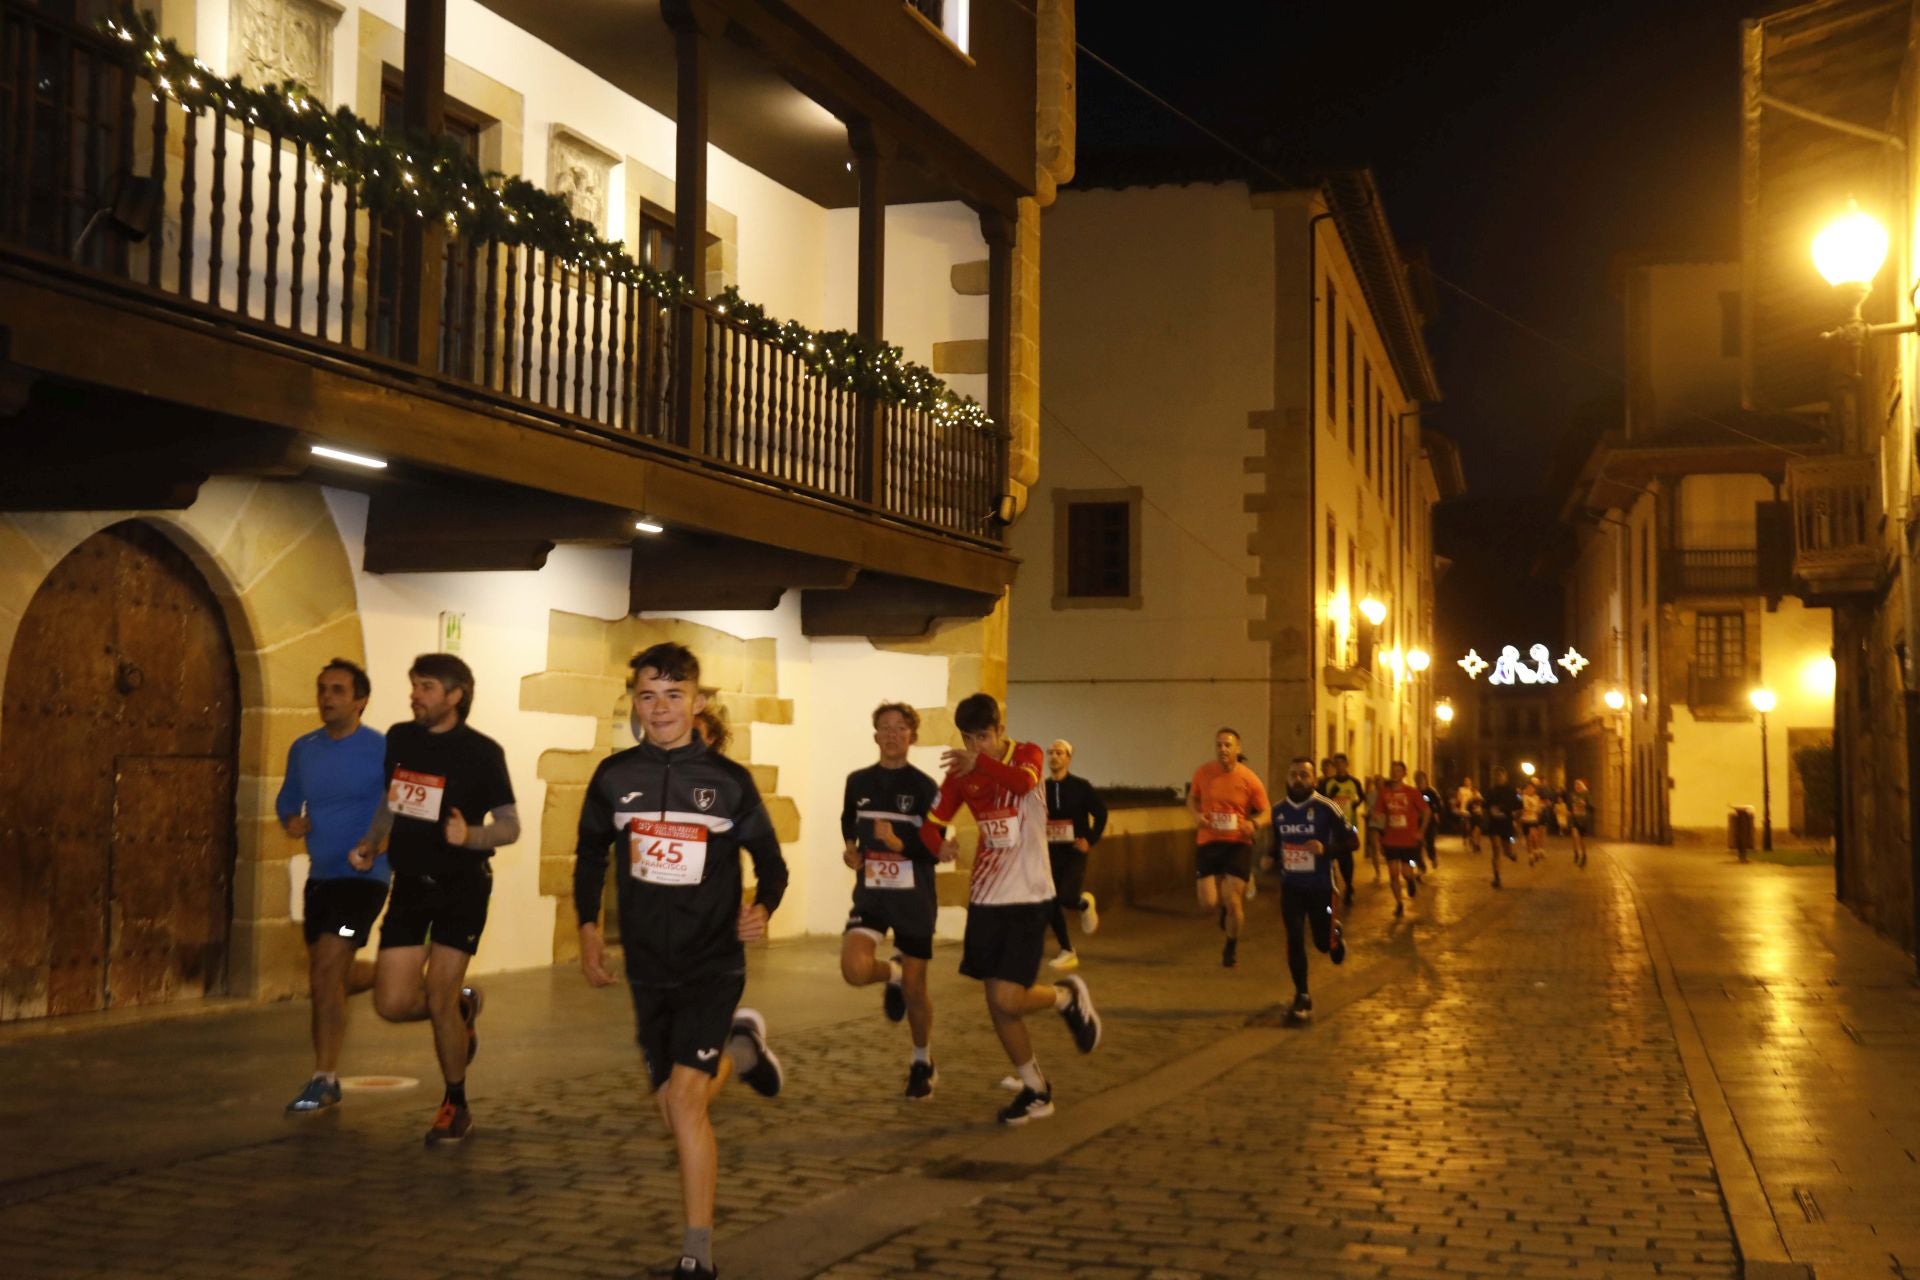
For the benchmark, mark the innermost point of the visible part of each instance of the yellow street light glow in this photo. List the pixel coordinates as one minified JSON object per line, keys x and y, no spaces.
{"x":1443,"y":712}
{"x":1373,"y":611}
{"x":1763,"y":700}
{"x":1526,"y":767}
{"x":1817,"y":677}
{"x":1850,"y":249}
{"x":1419,"y":659}
{"x":341,"y":455}
{"x":648,"y":526}
{"x":1615,"y":700}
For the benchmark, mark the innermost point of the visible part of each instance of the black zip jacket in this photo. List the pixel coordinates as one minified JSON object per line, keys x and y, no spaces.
{"x":676,"y":933}
{"x":1073,"y":799}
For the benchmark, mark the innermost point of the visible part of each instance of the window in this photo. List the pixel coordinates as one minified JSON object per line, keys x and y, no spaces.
{"x":1350,"y":415}
{"x":1333,"y":583}
{"x":951,"y":18}
{"x":1366,"y":413}
{"x":1096,"y":549}
{"x":1719,"y":660}
{"x":462,"y":126}
{"x":1730,"y":324}
{"x":656,"y":238}
{"x":1333,"y":358}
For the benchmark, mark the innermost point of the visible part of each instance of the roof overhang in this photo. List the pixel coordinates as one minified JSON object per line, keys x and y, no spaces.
{"x":1361,"y":218}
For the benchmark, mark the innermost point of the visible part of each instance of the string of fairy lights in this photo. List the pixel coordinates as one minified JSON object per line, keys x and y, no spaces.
{"x":436,"y":178}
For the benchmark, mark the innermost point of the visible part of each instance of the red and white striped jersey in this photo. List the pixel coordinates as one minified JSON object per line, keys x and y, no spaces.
{"x":1006,"y":800}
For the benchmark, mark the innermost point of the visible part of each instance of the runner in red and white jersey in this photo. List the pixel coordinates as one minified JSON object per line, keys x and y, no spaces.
{"x":1406,"y":816}
{"x":1011,"y":894}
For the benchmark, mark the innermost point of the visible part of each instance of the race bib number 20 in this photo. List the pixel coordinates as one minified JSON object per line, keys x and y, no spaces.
{"x":668,"y":853}
{"x":888,"y":873}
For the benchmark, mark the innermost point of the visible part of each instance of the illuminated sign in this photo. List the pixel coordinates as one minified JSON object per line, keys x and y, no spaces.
{"x":1509,"y":668}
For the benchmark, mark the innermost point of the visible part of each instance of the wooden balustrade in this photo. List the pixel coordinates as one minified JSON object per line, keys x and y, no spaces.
{"x":224,"y":217}
{"x":1836,"y":518}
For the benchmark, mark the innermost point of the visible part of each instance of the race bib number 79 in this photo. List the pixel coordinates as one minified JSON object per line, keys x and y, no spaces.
{"x":416,"y":795}
{"x":668,"y":853}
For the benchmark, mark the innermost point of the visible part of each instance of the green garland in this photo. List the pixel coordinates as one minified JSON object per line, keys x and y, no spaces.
{"x":437,"y":178}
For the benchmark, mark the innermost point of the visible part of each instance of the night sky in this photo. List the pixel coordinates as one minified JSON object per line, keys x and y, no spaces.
{"x":1522,"y":146}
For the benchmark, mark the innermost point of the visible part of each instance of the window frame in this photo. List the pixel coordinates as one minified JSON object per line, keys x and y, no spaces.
{"x":1064,"y":500}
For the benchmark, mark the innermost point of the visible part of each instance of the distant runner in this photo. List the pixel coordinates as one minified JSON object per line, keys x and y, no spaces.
{"x":1076,"y":819}
{"x":1228,"y":804}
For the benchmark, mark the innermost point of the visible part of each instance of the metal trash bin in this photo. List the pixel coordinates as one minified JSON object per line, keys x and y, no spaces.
{"x":1740,"y":829}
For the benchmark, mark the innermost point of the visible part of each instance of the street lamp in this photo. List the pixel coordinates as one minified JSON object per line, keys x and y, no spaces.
{"x":1615,"y":700}
{"x":1443,"y":711}
{"x":1419,"y":659}
{"x":1526,"y":767}
{"x":1763,"y":701}
{"x":1373,"y":611}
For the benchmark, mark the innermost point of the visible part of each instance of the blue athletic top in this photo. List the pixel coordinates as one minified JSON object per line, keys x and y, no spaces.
{"x":342,"y":784}
{"x":1297,"y":822}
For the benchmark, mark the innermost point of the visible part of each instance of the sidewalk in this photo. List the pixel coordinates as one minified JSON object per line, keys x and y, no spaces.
{"x":1492,"y":1087}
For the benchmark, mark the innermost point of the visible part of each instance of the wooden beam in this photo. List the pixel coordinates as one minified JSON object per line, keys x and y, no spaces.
{"x":464,"y":528}
{"x":871,"y":160}
{"x":170,"y":355}
{"x":882,"y":605}
{"x":693,"y":76}
{"x":999,"y":232}
{"x":423,"y":241}
{"x":681,"y":570}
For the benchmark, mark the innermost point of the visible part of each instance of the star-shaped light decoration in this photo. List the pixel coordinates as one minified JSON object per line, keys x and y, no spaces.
{"x":1572,"y":661}
{"x":1473,"y":664}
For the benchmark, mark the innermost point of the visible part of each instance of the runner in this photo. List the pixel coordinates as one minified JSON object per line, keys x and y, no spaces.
{"x":1435,"y":806}
{"x":1228,"y":804}
{"x":1376,"y":823}
{"x":1532,"y":820}
{"x":1500,"y":804}
{"x":1010,"y":894}
{"x":1076,"y":819}
{"x":1404,"y":819}
{"x":1473,"y":816}
{"x":1580,"y":819}
{"x":681,"y":815}
{"x":879,"y":819}
{"x":332,"y":789}
{"x":1343,"y":789}
{"x":444,"y":780}
{"x":1308,"y":829}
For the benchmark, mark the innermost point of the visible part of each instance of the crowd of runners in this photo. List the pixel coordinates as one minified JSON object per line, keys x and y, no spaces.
{"x":407,"y":823}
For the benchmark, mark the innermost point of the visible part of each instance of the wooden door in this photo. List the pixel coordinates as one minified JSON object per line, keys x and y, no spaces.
{"x":117,"y":732}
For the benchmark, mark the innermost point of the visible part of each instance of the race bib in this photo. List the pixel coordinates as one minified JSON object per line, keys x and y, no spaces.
{"x":416,"y":795}
{"x":1059,"y":833}
{"x":1396,"y":820}
{"x":1000,"y":830}
{"x":668,"y":853}
{"x":888,"y":873}
{"x":1296,"y":857}
{"x":1224,"y":822}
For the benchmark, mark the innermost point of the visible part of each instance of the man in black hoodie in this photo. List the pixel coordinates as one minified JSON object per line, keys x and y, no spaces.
{"x":681,"y":815}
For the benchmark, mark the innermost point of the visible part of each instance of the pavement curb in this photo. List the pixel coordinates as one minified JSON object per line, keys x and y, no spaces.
{"x":1756,"y":1233}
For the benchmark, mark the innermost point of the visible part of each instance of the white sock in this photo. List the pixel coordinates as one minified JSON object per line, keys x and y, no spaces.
{"x":922,"y":1054}
{"x":893,"y":967}
{"x":1062,"y":997}
{"x":1030,"y":1075}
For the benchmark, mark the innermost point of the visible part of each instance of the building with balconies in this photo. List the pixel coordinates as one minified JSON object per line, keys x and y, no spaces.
{"x":532,"y":331}
{"x":1238,"y":477}
{"x":1676,"y":581}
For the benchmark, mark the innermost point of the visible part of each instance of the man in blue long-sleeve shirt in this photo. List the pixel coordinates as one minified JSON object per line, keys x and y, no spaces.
{"x":335,"y":779}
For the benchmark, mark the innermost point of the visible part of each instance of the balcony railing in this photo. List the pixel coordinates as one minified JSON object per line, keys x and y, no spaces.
{"x":1836,"y":515}
{"x":224,"y":219}
{"x":1716,"y":572}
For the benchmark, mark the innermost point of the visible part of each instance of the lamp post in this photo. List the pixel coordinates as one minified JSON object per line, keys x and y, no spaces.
{"x":1763,"y":701}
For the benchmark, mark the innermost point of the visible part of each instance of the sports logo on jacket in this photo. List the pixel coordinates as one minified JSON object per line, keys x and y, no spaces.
{"x":906,"y":803}
{"x":703,"y":798}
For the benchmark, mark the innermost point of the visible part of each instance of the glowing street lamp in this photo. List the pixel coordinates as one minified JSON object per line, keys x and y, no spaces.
{"x":1615,"y":700}
{"x":1526,"y":767}
{"x":1763,"y":701}
{"x":1419,"y":659}
{"x":1373,"y":611}
{"x":1850,"y":250}
{"x":1443,"y":711}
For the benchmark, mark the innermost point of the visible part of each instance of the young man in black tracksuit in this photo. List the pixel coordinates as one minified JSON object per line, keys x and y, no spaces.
{"x":679,"y":816}
{"x":1076,"y":819}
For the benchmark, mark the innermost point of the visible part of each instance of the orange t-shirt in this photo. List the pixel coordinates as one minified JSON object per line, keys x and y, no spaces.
{"x":1226,"y":795}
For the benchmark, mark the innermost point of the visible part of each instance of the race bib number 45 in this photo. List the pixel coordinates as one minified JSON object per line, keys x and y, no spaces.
{"x":668,"y":853}
{"x":416,"y":795}
{"x":888,"y":873}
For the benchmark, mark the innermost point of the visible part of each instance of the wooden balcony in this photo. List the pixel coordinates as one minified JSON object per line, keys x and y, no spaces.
{"x":205,"y":261}
{"x":1836,"y":526}
{"x":1720,"y":572}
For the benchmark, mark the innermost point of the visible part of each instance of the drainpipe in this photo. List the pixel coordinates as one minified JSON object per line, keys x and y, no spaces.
{"x":1314,"y":331}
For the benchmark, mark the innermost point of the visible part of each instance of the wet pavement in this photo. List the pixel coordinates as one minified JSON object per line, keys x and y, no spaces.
{"x":1533,"y":1082}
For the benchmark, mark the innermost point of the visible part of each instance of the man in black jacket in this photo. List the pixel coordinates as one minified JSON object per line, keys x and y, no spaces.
{"x":1076,"y":819}
{"x":681,"y":815}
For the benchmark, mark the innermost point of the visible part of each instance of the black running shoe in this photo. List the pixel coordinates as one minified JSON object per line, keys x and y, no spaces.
{"x":688,"y":1269}
{"x":1027,"y":1105}
{"x":921,"y":1077}
{"x":1399,"y":909}
{"x":1337,"y":951}
{"x":764,"y":1077}
{"x":1346,"y":899}
{"x":1302,"y":1011}
{"x":894,"y":1003}
{"x":1229,"y":954}
{"x":1079,"y":1016}
{"x":472,"y":1000}
{"x":451,"y":1124}
{"x":1413,"y":886}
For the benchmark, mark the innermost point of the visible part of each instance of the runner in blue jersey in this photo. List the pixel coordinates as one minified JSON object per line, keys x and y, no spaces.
{"x":1309,"y":832}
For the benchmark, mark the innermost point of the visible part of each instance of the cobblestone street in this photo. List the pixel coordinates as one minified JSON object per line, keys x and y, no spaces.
{"x":1491,"y":1087}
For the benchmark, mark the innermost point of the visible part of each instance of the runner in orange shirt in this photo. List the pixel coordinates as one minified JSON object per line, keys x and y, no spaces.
{"x":1407,"y":815}
{"x":1228,"y":805}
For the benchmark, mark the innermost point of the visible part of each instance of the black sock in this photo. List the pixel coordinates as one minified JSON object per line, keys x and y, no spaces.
{"x":1060,"y":927}
{"x":457,"y":1093}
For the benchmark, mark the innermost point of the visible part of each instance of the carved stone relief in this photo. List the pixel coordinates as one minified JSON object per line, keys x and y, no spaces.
{"x":276,"y":40}
{"x":578,"y":172}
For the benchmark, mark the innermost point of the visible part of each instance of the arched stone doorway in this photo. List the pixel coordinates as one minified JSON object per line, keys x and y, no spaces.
{"x":118,"y":730}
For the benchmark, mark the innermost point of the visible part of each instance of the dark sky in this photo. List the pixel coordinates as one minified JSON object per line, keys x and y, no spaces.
{"x":1521,"y":143}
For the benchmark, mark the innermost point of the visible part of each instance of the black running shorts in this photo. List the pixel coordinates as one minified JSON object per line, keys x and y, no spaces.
{"x":878,"y":922}
{"x":687,"y":1025}
{"x":1006,"y":942}
{"x":449,"y":910}
{"x":1223,"y":858}
{"x":343,"y":908}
